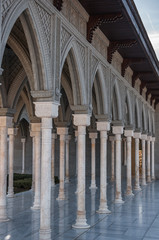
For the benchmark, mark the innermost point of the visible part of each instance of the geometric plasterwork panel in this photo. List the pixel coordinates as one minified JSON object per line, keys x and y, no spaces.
{"x":81,"y":50}
{"x":6,"y":5}
{"x":94,"y":63}
{"x":65,"y":36}
{"x":45,"y":18}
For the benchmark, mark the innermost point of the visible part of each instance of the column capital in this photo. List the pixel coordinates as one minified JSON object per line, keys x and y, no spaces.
{"x":93,"y":135}
{"x":128,"y":133}
{"x":153,"y":139}
{"x":62,"y":131}
{"x":149,"y":138}
{"x":6,"y":121}
{"x":46,"y":109}
{"x":54,"y":135}
{"x":103,"y":126}
{"x":12,"y":131}
{"x":23,"y":140}
{"x":35,"y":127}
{"x":117,"y":130}
{"x":1,"y":71}
{"x":137,"y":135}
{"x":143,"y":136}
{"x":68,"y":137}
{"x":81,"y":119}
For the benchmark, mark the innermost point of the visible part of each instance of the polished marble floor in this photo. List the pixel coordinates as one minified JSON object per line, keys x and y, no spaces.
{"x":137,"y":218}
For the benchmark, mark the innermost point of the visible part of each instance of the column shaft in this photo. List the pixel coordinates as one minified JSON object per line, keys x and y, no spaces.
{"x":143,"y":163}
{"x":148,"y":161}
{"x":118,"y":198}
{"x":11,"y":160}
{"x":53,"y":160}
{"x":129,"y":177}
{"x":37,"y":166}
{"x":153,"y":160}
{"x":93,"y":136}
{"x":67,"y":158}
{"x":137,"y":181}
{"x":45,"y":210}
{"x":23,"y":154}
{"x":103,"y":208}
{"x":3,"y":173}
{"x":112,"y":161}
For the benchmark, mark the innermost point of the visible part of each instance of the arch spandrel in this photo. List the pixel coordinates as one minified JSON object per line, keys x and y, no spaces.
{"x":116,"y":102}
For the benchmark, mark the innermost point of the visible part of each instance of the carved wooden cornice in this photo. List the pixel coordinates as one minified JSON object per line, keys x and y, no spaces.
{"x":116,"y":45}
{"x":96,"y":20}
{"x":127,"y":62}
{"x":137,"y":75}
{"x":58,"y":4}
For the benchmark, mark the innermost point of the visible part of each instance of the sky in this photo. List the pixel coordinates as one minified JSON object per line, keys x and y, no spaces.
{"x":149,"y":13}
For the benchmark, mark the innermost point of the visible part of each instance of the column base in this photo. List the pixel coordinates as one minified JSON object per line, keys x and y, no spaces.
{"x":129,"y":194}
{"x":45,"y":234}
{"x":61,"y":197}
{"x":103,"y":211}
{"x":137,"y":188}
{"x":144,"y":183}
{"x":67,"y":180}
{"x":53,"y":184}
{"x":118,"y":201}
{"x":81,"y":223}
{"x":10,"y":195}
{"x":148,"y":179}
{"x":35,"y":207}
{"x":153,"y":179}
{"x":93,"y":186}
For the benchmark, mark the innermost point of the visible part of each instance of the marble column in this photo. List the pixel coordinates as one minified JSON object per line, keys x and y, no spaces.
{"x":118,"y":130}
{"x":62,"y":131}
{"x":76,"y":140}
{"x":137,"y":136}
{"x":103,"y":127}
{"x":112,"y":140}
{"x":93,"y":137}
{"x":11,"y":133}
{"x":81,"y":121}
{"x":33,"y":160}
{"x":68,"y":138}
{"x":23,"y":140}
{"x":128,"y":134}
{"x":152,"y":158}
{"x":5,"y":122}
{"x":36,"y":129}
{"x":46,"y":111}
{"x":143,"y":138}
{"x":54,"y":137}
{"x":125,"y":151}
{"x":149,"y":138}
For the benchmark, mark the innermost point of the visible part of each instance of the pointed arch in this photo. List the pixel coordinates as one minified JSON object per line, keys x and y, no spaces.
{"x":144,"y":119}
{"x":72,"y":56}
{"x":37,"y":41}
{"x":149,"y":122}
{"x":116,"y":103}
{"x":137,"y":115}
{"x":101,"y":94}
{"x":129,"y":108}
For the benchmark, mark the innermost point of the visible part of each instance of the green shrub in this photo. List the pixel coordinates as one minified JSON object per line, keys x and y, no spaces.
{"x":56,"y":180}
{"x":21,"y":176}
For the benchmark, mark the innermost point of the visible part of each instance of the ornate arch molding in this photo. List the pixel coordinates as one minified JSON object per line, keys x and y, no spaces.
{"x":116,"y":100}
{"x":144,"y":119}
{"x":36,"y":16}
{"x":100,"y":91}
{"x":72,"y":56}
{"x":130,"y":107}
{"x":24,"y":59}
{"x":149,"y":121}
{"x":137,"y":115}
